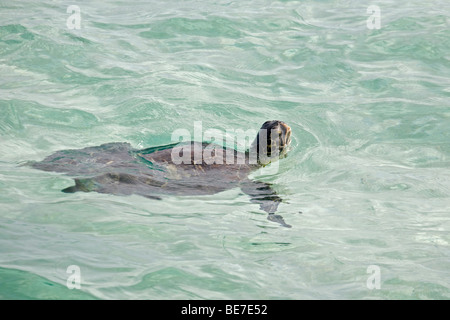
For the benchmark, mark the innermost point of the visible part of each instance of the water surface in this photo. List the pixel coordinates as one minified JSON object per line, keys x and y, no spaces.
{"x":369,"y":168}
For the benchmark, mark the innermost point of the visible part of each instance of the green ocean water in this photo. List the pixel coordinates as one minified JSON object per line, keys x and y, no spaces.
{"x":368,"y":170}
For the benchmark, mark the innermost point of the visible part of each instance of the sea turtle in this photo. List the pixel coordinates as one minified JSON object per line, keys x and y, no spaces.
{"x":117,"y":168}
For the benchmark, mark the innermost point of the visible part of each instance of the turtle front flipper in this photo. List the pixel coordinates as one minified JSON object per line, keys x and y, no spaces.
{"x":266,"y":197}
{"x":277,"y":218}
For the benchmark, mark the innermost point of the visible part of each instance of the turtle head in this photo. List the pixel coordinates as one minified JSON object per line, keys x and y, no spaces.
{"x":272,"y":141}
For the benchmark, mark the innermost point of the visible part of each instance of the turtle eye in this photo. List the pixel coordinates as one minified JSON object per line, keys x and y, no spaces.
{"x":280,"y":138}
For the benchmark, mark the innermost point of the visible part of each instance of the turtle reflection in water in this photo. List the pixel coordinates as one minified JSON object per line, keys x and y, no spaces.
{"x":118,"y":169}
